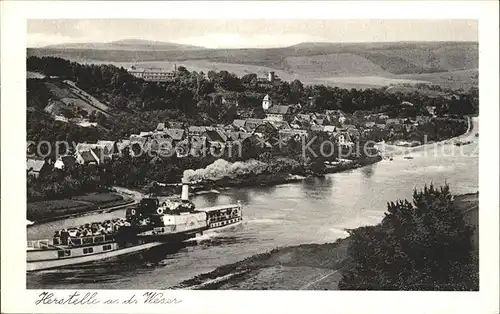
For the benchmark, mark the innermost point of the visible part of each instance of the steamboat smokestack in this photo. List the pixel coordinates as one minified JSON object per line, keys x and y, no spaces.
{"x":185,"y":191}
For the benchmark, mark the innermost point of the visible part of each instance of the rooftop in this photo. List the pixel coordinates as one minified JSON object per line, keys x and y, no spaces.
{"x":279,"y":109}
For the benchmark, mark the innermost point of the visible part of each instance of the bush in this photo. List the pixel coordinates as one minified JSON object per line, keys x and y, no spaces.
{"x":424,"y":245}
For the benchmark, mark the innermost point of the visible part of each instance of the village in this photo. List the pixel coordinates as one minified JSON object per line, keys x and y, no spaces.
{"x":282,"y":122}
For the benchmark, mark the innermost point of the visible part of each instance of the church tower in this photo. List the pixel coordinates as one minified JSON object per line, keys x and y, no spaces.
{"x":267,"y":102}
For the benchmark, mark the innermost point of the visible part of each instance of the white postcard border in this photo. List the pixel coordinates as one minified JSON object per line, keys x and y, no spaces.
{"x":15,"y":297}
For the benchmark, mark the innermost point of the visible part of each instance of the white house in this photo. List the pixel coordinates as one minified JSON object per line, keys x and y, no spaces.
{"x":65,"y":162}
{"x":99,"y":151}
{"x":87,"y":157}
{"x":267,"y":102}
{"x":343,"y":139}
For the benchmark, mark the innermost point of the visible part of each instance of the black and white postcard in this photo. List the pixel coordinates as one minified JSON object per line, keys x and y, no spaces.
{"x":307,"y":148}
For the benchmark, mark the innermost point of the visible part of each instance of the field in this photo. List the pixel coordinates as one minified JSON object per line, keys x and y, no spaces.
{"x":338,"y":64}
{"x":53,"y":209}
{"x":354,"y":65}
{"x":408,"y":90}
{"x":365,"y":81}
{"x":464,"y":79}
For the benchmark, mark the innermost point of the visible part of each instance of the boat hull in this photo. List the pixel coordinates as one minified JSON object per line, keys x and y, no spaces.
{"x":49,"y":253}
{"x":58,"y":263}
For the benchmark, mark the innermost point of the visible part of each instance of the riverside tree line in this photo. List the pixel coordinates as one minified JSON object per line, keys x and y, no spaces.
{"x":423,"y":244}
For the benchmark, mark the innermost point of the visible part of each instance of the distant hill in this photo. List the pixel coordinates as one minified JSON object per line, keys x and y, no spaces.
{"x":127,"y":45}
{"x":309,"y":62}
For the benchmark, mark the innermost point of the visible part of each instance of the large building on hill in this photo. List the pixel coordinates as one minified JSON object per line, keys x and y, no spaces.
{"x":153,"y":74}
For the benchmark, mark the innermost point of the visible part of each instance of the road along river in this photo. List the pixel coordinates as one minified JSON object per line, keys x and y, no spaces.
{"x":315,"y":210}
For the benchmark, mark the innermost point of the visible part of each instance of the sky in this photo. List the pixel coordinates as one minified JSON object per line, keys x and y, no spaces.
{"x":248,"y":33}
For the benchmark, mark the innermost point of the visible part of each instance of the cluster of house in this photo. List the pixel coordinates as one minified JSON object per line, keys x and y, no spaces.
{"x":83,"y":154}
{"x":177,"y":138}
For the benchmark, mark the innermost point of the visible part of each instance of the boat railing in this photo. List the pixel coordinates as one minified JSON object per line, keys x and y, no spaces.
{"x":222,"y":218}
{"x":90,"y":239}
{"x":40,"y":244}
{"x":71,"y":241}
{"x":215,"y":216}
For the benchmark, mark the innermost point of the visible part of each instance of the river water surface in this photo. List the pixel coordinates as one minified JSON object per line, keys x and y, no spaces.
{"x":315,"y":210}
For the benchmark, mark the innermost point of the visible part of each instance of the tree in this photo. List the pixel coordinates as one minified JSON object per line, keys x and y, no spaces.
{"x":101,"y":118}
{"x":182,"y":70}
{"x":424,"y":245}
{"x":296,"y":91}
{"x":249,"y":81}
{"x":93,"y":116}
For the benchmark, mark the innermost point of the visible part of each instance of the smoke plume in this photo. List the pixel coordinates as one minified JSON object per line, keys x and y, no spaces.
{"x":222,"y":168}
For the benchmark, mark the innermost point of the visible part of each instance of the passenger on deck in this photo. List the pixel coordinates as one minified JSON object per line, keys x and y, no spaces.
{"x":64,"y":236}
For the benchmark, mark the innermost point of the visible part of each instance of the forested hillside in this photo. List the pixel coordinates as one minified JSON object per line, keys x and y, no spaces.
{"x":137,"y":105}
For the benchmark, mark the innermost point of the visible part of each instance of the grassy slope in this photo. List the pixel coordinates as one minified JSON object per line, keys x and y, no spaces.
{"x":338,"y":64}
{"x":38,"y":211}
{"x":308,"y":266}
{"x":49,"y":210}
{"x":68,"y":94}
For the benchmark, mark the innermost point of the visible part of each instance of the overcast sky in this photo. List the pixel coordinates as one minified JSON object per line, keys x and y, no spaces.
{"x":248,"y":33}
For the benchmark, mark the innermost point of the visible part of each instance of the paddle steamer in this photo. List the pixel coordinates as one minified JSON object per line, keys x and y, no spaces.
{"x":145,"y":226}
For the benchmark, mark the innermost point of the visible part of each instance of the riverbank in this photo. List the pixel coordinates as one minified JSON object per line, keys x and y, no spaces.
{"x":272,"y":179}
{"x":262,"y":179}
{"x":390,"y":150}
{"x":302,"y":267}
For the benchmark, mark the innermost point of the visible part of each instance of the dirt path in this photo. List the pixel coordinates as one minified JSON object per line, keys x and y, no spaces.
{"x":135,"y":195}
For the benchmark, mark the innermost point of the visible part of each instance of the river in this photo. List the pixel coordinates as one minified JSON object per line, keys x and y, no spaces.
{"x":315,"y":210}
